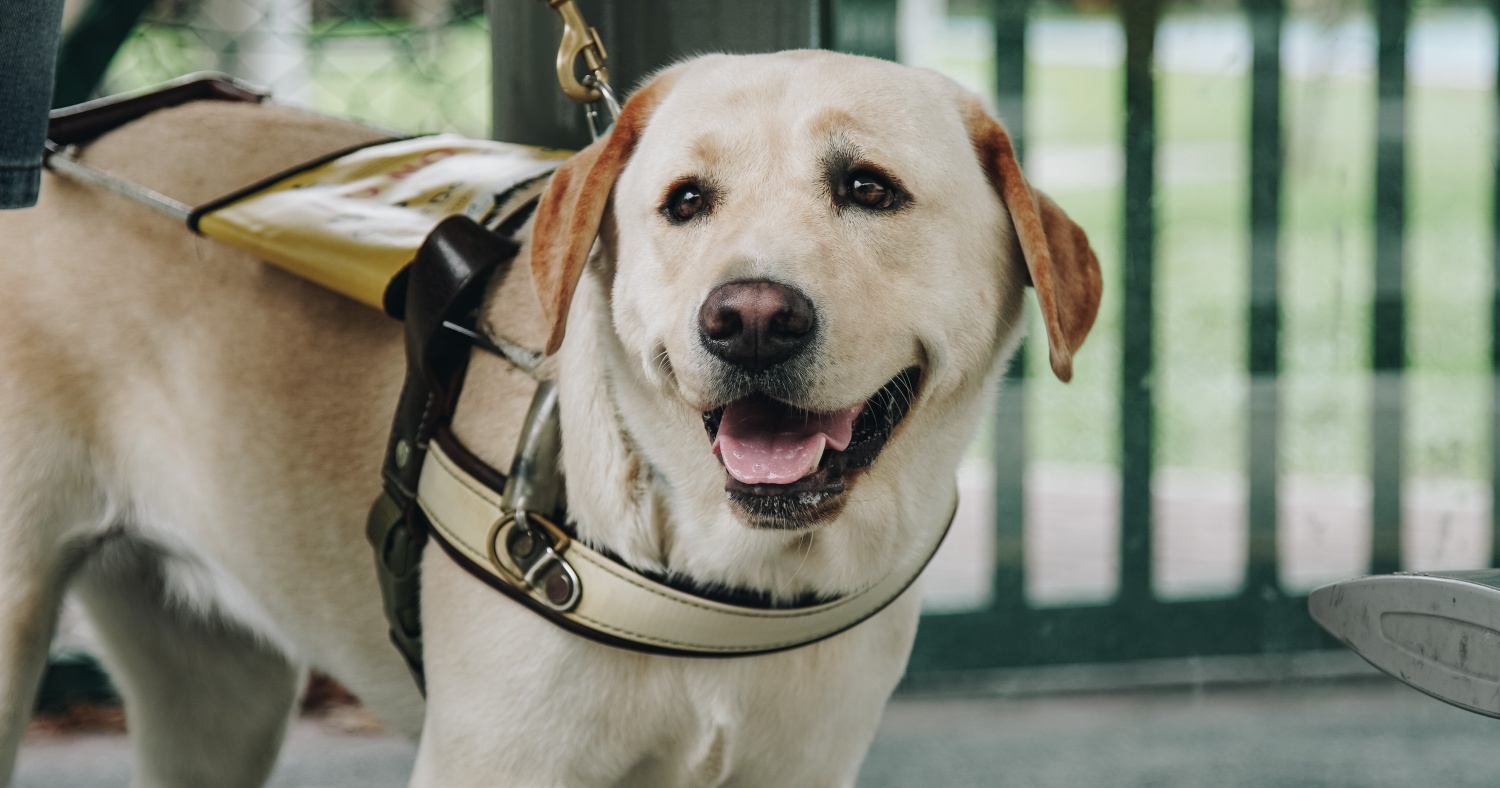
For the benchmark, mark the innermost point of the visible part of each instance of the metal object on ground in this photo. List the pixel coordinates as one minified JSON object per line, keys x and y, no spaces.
{"x":1438,"y":632}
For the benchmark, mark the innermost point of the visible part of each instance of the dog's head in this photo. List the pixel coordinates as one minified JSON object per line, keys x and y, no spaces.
{"x":807,"y":250}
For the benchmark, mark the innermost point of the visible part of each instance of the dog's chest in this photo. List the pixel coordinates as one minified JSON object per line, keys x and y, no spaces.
{"x":800,"y":717}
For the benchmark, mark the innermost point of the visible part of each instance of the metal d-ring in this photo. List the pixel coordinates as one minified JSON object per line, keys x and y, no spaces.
{"x":554,"y":579}
{"x":535,"y":546}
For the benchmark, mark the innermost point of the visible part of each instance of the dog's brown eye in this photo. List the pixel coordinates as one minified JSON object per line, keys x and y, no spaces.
{"x":685,"y":202}
{"x":870,"y":190}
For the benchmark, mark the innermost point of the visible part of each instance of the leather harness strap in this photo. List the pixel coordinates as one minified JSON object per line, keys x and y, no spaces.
{"x":446,"y":281}
{"x":614,"y":604}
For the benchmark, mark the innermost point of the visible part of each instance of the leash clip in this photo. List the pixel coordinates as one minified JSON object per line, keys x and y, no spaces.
{"x":579,"y":39}
{"x":611,"y":103}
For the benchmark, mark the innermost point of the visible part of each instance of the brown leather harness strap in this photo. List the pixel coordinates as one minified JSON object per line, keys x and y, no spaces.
{"x":88,"y":121}
{"x":446,"y":282}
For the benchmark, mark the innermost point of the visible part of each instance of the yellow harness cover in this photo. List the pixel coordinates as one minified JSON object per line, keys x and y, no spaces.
{"x":353,"y":222}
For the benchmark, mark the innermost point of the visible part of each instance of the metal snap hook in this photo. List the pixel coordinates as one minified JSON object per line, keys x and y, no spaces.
{"x":581,"y":40}
{"x":578,"y":40}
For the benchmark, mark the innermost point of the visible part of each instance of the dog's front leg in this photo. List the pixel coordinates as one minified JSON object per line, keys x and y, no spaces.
{"x":42,"y":530}
{"x":32,"y":578}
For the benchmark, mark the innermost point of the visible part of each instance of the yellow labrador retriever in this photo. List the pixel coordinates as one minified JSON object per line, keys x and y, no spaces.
{"x":764,"y":252}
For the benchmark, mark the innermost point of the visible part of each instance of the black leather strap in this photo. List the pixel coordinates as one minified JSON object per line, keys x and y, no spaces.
{"x":446,"y":282}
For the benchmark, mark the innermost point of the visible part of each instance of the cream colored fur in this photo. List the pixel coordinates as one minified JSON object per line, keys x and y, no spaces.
{"x":191,"y":439}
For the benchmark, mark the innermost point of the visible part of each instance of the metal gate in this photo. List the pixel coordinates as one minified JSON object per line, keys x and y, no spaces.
{"x":1261,"y":617}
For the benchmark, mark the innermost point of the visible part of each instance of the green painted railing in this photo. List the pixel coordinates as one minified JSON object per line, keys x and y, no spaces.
{"x":1261,"y":618}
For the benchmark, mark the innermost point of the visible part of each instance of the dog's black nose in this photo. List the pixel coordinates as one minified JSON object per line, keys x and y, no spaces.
{"x":755,"y":325}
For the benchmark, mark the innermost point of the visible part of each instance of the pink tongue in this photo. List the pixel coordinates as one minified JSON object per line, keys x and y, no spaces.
{"x":766,"y":442}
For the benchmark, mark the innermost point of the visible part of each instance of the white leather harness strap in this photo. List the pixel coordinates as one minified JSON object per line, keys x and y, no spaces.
{"x":612,"y":599}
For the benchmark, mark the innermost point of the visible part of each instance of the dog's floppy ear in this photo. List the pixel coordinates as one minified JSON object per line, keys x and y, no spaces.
{"x":1059,"y":262}
{"x":568,"y":217}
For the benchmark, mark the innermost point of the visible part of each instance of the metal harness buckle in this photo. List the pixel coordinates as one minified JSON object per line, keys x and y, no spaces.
{"x":537,"y":552}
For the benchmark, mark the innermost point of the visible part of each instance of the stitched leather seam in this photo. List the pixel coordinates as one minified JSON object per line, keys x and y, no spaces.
{"x":424,"y":424}
{"x":701,"y":647}
{"x":640,"y":636}
{"x":768,"y":615}
{"x":457,"y":474}
{"x":456,"y":539}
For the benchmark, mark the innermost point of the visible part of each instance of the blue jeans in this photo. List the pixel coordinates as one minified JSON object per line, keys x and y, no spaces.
{"x":28,"y":56}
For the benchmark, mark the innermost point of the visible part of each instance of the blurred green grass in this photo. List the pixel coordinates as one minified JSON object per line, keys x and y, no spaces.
{"x":441,"y":83}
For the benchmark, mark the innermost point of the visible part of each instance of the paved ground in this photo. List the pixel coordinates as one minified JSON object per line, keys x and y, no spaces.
{"x":1366,"y":734}
{"x":315,"y":756}
{"x":1362,"y":733}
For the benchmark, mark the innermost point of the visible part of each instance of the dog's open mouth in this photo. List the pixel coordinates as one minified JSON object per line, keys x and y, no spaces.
{"x":787,"y":467}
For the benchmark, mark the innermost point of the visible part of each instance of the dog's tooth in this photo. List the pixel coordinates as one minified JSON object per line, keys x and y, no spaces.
{"x":817,"y":454}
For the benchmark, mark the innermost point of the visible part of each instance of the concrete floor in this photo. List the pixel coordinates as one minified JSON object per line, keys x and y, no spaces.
{"x":1351,"y":733}
{"x":1371,"y":733}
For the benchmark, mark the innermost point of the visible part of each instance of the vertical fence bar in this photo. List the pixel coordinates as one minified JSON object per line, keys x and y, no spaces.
{"x":1388,"y":315}
{"x":1495,"y":318}
{"x":1009,"y":570}
{"x":865,"y":27}
{"x":1263,"y":340}
{"x":1010,"y":68}
{"x":1136,"y":406}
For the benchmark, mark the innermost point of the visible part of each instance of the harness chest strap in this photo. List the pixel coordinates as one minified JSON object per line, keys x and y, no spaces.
{"x":470,"y":519}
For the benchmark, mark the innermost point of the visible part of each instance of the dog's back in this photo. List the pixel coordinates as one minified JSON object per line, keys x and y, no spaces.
{"x":169,"y":409}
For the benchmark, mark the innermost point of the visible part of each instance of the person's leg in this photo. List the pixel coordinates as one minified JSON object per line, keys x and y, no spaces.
{"x":28,"y":57}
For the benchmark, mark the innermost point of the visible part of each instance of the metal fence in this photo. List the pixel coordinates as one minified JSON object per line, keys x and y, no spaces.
{"x":412,"y":65}
{"x":1263,"y":614}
